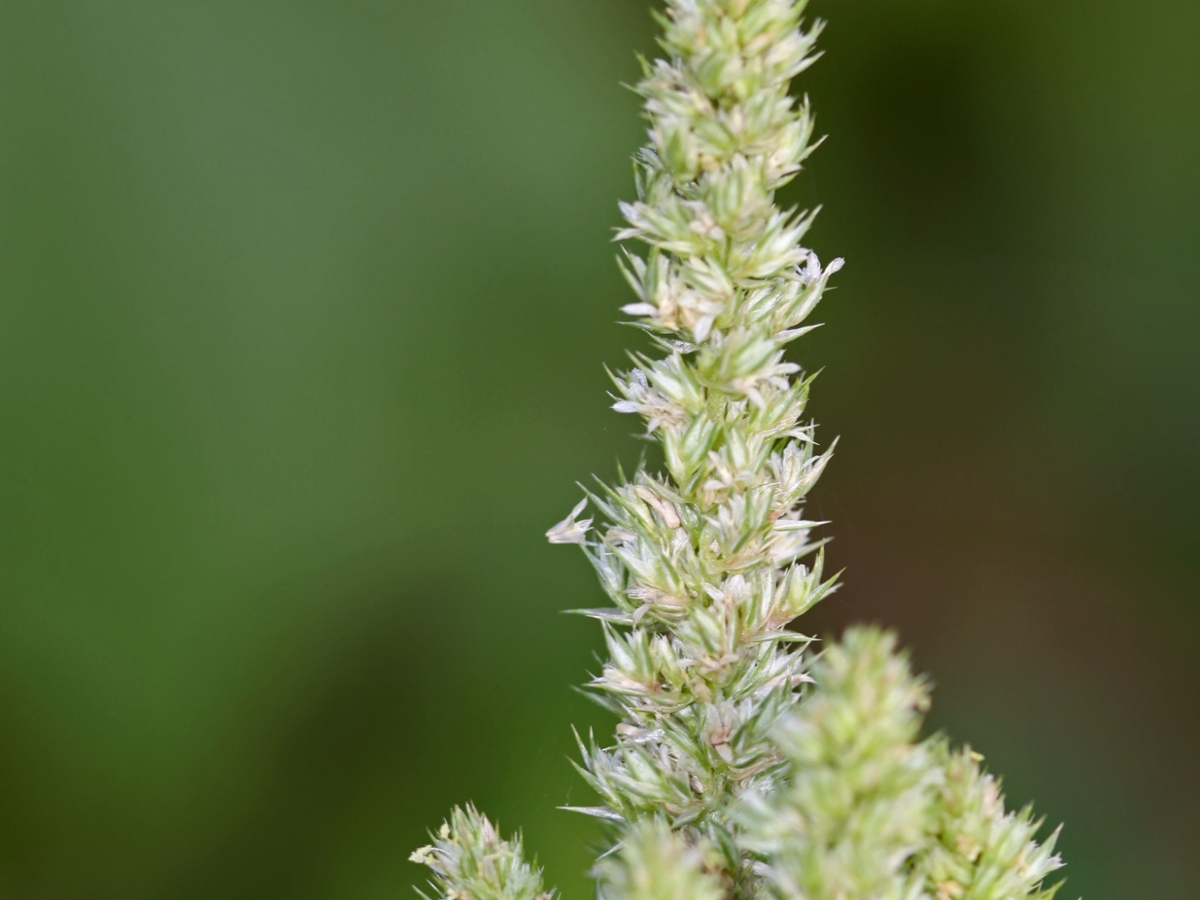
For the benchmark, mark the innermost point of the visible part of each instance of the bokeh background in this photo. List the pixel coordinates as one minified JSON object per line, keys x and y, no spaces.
{"x":303,"y":310}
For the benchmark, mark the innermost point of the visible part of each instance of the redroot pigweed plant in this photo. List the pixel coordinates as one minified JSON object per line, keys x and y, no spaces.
{"x":742,"y":767}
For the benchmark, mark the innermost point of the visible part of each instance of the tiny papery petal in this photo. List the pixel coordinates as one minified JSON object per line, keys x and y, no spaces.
{"x":568,"y":531}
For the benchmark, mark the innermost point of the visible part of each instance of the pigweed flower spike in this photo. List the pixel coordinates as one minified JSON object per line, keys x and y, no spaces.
{"x":737,"y":769}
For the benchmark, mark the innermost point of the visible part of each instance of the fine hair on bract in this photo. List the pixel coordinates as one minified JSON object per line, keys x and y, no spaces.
{"x":744,"y":764}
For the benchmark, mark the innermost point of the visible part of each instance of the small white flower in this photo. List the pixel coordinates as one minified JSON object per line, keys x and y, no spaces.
{"x":813,"y":270}
{"x":568,"y":531}
{"x":423,"y":856}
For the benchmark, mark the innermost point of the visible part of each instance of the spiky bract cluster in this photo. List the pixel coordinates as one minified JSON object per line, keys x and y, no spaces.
{"x":656,"y":863}
{"x":866,"y":812}
{"x":730,"y":776}
{"x":856,"y":807}
{"x":979,"y":850}
{"x":471,"y":862}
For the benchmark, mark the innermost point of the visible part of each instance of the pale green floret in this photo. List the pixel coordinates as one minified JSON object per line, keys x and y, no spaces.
{"x":981,"y":851}
{"x":857,"y":804}
{"x":655,"y":863}
{"x":471,"y":862}
{"x":865,"y":811}
{"x":738,"y":770}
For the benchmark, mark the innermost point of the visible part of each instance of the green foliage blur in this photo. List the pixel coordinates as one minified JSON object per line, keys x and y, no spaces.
{"x":303,"y":311}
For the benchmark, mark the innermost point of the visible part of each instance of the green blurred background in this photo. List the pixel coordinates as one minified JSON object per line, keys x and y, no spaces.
{"x":303,"y":310}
